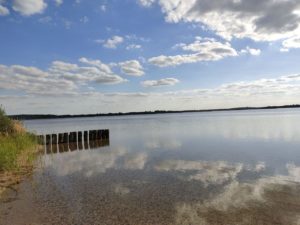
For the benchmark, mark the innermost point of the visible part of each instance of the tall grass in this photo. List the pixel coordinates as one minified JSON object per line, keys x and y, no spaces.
{"x":17,"y":147}
{"x":17,"y":151}
{"x":6,"y":124}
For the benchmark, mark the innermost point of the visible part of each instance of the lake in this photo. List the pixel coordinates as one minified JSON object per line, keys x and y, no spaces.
{"x":237,"y":167}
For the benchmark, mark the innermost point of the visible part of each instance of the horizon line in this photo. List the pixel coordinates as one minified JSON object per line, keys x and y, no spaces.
{"x":57,"y":116}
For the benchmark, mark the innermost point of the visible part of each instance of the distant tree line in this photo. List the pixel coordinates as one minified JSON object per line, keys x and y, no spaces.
{"x":52,"y":116}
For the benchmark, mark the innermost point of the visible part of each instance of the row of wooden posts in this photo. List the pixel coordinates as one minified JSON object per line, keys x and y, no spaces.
{"x":63,"y":142}
{"x":71,"y":137}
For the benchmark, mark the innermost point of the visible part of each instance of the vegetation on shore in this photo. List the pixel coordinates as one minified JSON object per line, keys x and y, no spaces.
{"x":18,"y":150}
{"x":51,"y":116}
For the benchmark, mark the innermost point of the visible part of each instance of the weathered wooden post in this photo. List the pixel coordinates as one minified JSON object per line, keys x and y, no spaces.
{"x":48,"y":139}
{"x":66,"y":138}
{"x":73,"y":141}
{"x":92,"y":135}
{"x":91,"y":138}
{"x":72,"y":137}
{"x":54,"y":143}
{"x":48,"y":144}
{"x":40,"y":140}
{"x":98,"y":134}
{"x":54,"y":138}
{"x":80,"y":145}
{"x":105,"y":134}
{"x":60,"y":138}
{"x":86,"y":140}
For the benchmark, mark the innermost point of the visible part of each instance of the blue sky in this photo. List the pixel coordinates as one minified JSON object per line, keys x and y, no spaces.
{"x":81,"y":56}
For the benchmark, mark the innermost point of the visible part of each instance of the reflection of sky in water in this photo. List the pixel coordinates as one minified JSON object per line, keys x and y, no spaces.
{"x":192,"y":162}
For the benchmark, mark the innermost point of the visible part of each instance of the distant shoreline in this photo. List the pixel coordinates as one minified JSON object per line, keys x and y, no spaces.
{"x":52,"y":116}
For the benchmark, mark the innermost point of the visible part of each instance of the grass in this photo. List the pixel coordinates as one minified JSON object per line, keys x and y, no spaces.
{"x":6,"y":124}
{"x":18,"y":150}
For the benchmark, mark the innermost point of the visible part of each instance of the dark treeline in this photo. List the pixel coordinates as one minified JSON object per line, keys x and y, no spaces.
{"x":51,"y":116}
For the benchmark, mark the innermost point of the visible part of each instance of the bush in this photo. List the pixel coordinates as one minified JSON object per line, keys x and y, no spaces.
{"x":6,"y":124}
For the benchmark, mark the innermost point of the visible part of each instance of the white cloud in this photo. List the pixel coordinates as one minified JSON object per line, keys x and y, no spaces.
{"x":112,"y":42}
{"x":4,"y":11}
{"x":103,"y":8}
{"x":29,"y":7}
{"x":203,"y":50}
{"x":146,"y":3}
{"x":58,"y":2}
{"x":60,"y":79}
{"x":161,"y":82}
{"x":82,"y":78}
{"x":284,"y":50}
{"x":160,"y":143}
{"x":84,"y":19}
{"x":251,"y":51}
{"x":67,"y":24}
{"x":96,"y":72}
{"x":132,"y":67}
{"x":32,"y":80}
{"x":99,"y":41}
{"x":46,"y":19}
{"x":209,"y":173}
{"x":266,"y":20}
{"x":137,"y":38}
{"x":133,"y":46}
{"x":291,"y":43}
{"x":98,"y":162}
{"x":237,"y":196}
{"x":97,"y":63}
{"x":135,"y":161}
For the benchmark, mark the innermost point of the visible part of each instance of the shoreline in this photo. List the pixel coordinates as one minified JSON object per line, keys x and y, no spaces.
{"x":9,"y":179}
{"x":18,"y":151}
{"x":53,"y":116}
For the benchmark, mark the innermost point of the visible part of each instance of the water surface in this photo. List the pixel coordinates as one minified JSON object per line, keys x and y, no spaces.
{"x":192,"y":168}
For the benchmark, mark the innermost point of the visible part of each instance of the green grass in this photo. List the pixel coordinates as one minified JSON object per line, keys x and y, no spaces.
{"x":6,"y":124}
{"x":17,"y":150}
{"x":17,"y":147}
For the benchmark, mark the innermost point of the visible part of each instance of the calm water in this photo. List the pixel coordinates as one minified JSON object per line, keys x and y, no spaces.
{"x":193,"y":168}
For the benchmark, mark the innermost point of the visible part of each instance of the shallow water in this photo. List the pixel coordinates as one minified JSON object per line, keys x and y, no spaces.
{"x":192,"y":168}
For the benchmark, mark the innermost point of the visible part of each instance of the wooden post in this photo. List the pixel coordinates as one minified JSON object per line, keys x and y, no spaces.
{"x":40,"y":139}
{"x":54,"y":138}
{"x":48,"y":139}
{"x":85,"y":139}
{"x":73,"y":141}
{"x":60,"y":138}
{"x":80,"y":145}
{"x":54,"y":143}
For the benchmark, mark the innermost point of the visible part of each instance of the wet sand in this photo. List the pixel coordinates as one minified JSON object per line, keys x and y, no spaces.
{"x":136,"y":197}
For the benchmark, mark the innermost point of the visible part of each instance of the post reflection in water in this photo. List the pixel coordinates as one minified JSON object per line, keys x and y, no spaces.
{"x":74,"y":141}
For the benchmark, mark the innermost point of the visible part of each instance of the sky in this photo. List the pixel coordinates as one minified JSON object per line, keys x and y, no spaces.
{"x":100,"y":56}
